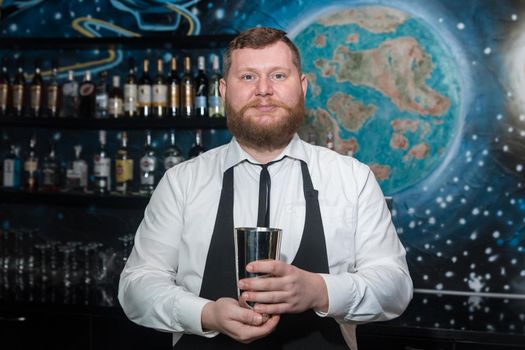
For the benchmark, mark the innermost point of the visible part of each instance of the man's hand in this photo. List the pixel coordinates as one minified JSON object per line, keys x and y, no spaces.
{"x":244,"y":325}
{"x":287,"y":289}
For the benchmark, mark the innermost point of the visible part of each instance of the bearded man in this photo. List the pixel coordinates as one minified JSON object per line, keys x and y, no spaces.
{"x":341,"y":261}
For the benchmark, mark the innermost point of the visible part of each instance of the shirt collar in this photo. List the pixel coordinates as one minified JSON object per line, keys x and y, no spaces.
{"x":235,"y":154}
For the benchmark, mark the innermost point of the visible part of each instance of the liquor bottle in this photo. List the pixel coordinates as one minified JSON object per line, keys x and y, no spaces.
{"x":172,"y":153}
{"x":36,"y":92}
{"x":102,"y":166}
{"x":52,"y":93}
{"x":330,"y":141}
{"x":31,"y":168}
{"x":116,"y":105}
{"x":19,"y":87}
{"x":144,"y":92}
{"x":5,"y":87}
{"x":101,"y":96}
{"x":215,"y":104}
{"x":12,"y":170}
{"x":197,"y":147}
{"x":201,"y":89}
{"x":130,"y":91}
{"x":50,"y":171}
{"x":123,"y":167}
{"x":186,"y":90}
{"x":69,"y":97}
{"x":159,"y":92}
{"x":173,"y":90}
{"x":148,"y":168}
{"x":87,"y":97}
{"x":77,"y":172}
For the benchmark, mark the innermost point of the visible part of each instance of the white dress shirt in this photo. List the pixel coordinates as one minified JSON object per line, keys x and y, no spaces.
{"x":368,"y":279}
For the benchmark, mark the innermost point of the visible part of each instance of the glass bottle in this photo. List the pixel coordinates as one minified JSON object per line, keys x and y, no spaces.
{"x":148,"y":167}
{"x":69,"y":97}
{"x":36,"y":92}
{"x":12,"y":169}
{"x":50,"y":171}
{"x":173,"y":90}
{"x":87,"y":97}
{"x":215,"y":104}
{"x":77,"y":172}
{"x":102,"y":166}
{"x":101,"y":96}
{"x":116,"y":105}
{"x":197,"y":147}
{"x":123,"y":167}
{"x":172,"y":153}
{"x":130,"y":91}
{"x":144,"y":92}
{"x":52,"y":93}
{"x":186,"y":90}
{"x":201,"y":89}
{"x":31,"y":168}
{"x":19,"y":87}
{"x":5,"y":88}
{"x":159,"y":92}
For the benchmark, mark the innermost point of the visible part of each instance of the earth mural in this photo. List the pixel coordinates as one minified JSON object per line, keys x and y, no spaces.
{"x":385,"y":86}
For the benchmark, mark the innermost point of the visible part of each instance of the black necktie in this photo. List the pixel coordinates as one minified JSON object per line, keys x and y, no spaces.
{"x":265,"y":184}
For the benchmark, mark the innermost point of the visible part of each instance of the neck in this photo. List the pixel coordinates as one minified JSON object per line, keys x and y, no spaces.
{"x":262,"y":156}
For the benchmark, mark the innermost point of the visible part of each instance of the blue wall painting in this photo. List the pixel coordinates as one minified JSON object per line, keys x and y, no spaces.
{"x":430,"y":94}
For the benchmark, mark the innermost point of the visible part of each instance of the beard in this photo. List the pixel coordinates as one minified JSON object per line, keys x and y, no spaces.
{"x":267,"y":137}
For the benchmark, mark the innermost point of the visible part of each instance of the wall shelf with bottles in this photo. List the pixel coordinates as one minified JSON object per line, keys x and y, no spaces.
{"x":137,"y":42}
{"x":114,"y":124}
{"x":75,"y":199}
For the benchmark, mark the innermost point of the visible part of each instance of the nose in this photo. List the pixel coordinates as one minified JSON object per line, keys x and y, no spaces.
{"x":264,"y":87}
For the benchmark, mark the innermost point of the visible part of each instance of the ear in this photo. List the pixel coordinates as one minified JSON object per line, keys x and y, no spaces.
{"x":304,"y":84}
{"x":222,"y":89}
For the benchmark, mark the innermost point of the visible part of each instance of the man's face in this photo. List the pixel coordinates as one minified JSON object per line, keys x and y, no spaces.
{"x":264,"y":96}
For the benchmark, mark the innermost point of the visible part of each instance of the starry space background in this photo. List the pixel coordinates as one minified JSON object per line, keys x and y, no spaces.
{"x":463,"y":227}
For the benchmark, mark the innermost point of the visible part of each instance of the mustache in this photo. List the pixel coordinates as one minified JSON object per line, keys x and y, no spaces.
{"x":267,"y":102}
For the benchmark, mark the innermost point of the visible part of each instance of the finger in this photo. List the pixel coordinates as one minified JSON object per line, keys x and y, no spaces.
{"x":273,"y":297}
{"x":273,"y":309}
{"x":266,"y":283}
{"x":250,"y":317}
{"x":271,"y":267}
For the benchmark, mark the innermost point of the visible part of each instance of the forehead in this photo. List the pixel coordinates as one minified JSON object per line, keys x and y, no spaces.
{"x":274,"y":55}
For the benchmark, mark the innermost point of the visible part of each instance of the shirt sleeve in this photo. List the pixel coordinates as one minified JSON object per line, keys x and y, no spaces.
{"x":148,"y":292}
{"x":379,"y":287}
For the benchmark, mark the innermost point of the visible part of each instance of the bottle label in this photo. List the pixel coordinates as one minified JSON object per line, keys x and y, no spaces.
{"x":214,"y":101}
{"x":174,"y":96}
{"x":144,"y":95}
{"x":70,"y":89}
{"x":102,"y":167}
{"x":87,"y":89}
{"x":101,"y":101}
{"x":52,"y":97}
{"x":81,"y":169}
{"x":130,"y":98}
{"x":148,"y":164}
{"x":115,"y":107}
{"x":201,"y":102}
{"x":160,"y":95}
{"x":11,"y":173}
{"x":36,"y":96}
{"x":3,"y":95}
{"x":171,"y":161}
{"x":31,"y":166}
{"x":187,"y":98}
{"x":124,"y":170}
{"x":18,"y":96}
{"x":49,"y":177}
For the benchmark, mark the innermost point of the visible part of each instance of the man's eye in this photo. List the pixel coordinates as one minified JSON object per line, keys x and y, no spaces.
{"x":248,"y":77}
{"x":279,"y":76}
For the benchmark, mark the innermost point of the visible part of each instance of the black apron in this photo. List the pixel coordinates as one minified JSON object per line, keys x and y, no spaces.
{"x":294,"y":331}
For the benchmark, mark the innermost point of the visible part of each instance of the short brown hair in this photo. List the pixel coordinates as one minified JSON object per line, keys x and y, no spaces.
{"x":258,"y":38}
